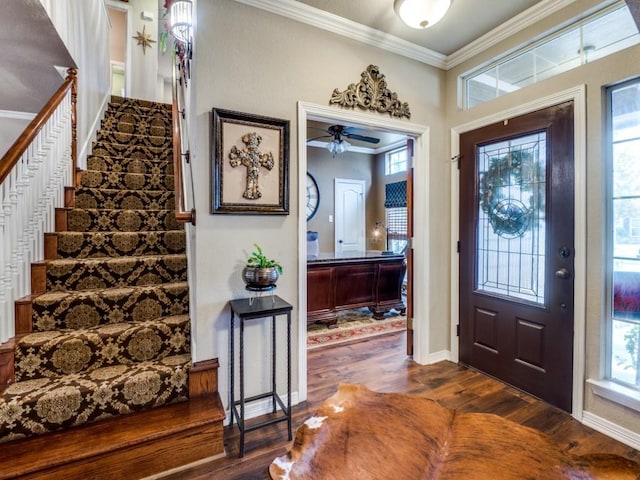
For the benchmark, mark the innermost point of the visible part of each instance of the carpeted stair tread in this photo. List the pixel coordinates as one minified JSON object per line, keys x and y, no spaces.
{"x":48,"y":404}
{"x":64,"y":352}
{"x":103,"y":220}
{"x":134,"y":139}
{"x":118,"y":272}
{"x":127,"y":181}
{"x":154,"y":125}
{"x":120,"y":199}
{"x":87,"y":308}
{"x":132,"y":151}
{"x":118,"y":100}
{"x":114,"y":244}
{"x":129,"y":165}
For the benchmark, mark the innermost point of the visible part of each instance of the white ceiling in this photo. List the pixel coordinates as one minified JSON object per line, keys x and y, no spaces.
{"x":32,"y":49}
{"x":466,"y":20}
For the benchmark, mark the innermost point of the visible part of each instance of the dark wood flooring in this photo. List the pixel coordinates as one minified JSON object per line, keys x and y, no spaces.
{"x":380,"y":364}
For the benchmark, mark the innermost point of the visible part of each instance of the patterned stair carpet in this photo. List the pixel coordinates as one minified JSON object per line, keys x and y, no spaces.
{"x":111,"y":332}
{"x":354,"y":325}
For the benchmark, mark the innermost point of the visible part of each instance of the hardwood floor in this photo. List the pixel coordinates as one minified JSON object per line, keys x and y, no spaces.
{"x":380,"y":364}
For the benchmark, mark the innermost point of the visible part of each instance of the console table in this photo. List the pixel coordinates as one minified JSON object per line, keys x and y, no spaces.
{"x":353,"y":280}
{"x":251,"y":309}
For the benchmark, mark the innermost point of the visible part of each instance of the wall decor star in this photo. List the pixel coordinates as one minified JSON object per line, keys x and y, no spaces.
{"x":144,"y":39}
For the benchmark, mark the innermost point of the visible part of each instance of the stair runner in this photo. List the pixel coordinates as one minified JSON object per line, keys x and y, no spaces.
{"x":111,"y":333}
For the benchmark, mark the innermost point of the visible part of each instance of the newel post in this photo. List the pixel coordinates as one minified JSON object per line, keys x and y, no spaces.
{"x":72,"y":75}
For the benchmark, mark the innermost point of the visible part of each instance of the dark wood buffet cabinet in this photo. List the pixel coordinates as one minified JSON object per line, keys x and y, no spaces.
{"x":353,"y":280}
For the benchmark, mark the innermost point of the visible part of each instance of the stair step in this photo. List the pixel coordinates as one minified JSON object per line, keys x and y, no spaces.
{"x":88,"y":308}
{"x":127,"y":181}
{"x":159,"y":125}
{"x":130,"y":139}
{"x":50,"y":404}
{"x":114,"y":244}
{"x":65,"y":352}
{"x":102,"y":220}
{"x":119,"y":199}
{"x":130,"y":165}
{"x":124,"y":448}
{"x":132,"y":151}
{"x":136,"y":102}
{"x":93,"y":273}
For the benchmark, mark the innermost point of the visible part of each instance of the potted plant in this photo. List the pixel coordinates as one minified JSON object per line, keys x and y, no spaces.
{"x":261,"y":272}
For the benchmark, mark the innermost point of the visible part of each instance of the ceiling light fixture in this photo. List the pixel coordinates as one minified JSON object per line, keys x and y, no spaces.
{"x":181,"y":20}
{"x":421,"y":13}
{"x":336,"y":146}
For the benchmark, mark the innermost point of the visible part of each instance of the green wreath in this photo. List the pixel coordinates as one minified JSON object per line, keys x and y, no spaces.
{"x":509,"y":216}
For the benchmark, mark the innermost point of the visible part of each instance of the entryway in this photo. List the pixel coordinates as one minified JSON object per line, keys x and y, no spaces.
{"x":367,"y":120}
{"x":517,"y":252}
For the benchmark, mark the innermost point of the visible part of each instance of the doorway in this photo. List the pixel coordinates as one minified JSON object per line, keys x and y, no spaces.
{"x":120,"y":48}
{"x":517,"y":252}
{"x":311,"y":112}
{"x":350,"y":208}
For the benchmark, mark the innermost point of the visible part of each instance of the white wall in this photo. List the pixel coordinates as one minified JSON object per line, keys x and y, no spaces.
{"x":255,"y":62}
{"x":84,"y":28}
{"x":12,"y":124}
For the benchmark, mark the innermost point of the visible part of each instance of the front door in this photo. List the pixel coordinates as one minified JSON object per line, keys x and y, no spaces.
{"x":349,"y":216}
{"x":517,"y":252}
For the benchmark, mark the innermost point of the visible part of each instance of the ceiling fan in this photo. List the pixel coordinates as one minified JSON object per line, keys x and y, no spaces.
{"x":339,"y":131}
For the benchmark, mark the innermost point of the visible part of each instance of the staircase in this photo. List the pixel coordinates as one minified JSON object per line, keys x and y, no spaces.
{"x":106,"y":331}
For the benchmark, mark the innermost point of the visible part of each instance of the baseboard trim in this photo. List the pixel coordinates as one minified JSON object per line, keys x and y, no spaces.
{"x":261,"y":407}
{"x":440,"y":356}
{"x":611,"y":429}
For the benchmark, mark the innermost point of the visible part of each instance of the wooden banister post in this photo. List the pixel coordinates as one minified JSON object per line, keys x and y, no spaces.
{"x":72,"y":75}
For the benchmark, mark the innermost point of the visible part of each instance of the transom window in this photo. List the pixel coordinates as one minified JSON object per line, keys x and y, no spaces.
{"x":395,"y":161}
{"x":607,"y":31}
{"x":623,"y":122}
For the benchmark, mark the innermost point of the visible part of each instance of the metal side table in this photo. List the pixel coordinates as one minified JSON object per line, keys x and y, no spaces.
{"x":250,"y":309}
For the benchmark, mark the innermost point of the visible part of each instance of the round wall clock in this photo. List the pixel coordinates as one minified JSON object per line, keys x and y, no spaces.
{"x":313,"y":196}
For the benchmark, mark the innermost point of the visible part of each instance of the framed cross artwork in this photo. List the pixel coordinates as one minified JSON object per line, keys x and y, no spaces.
{"x":250,"y":164}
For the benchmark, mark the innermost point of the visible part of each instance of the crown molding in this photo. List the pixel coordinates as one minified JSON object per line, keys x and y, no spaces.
{"x":347,"y":28}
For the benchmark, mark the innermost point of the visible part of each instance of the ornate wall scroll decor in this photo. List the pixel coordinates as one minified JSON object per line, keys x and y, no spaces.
{"x":371,"y":93}
{"x":250,"y":164}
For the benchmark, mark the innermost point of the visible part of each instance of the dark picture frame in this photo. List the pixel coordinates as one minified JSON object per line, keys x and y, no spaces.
{"x":250,"y":164}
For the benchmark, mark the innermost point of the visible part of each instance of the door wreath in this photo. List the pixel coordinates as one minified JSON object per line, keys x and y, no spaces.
{"x":510,"y":193}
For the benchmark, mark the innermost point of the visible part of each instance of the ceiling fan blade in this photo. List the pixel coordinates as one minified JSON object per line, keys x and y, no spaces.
{"x":362,"y":138}
{"x":318,"y":138}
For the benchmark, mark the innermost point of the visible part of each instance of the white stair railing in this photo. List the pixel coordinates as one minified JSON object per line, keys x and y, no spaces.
{"x":33,"y":174}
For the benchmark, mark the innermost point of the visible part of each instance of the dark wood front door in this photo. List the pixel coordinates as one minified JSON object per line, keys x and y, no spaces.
{"x":517,"y":252}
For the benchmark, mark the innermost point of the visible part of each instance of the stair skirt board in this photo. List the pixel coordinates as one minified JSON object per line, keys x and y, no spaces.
{"x":98,"y":379}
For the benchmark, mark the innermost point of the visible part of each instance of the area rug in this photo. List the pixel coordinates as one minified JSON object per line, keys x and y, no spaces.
{"x":354,"y":325}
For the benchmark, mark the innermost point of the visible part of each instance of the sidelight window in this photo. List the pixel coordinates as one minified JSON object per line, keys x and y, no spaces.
{"x":623,"y":126}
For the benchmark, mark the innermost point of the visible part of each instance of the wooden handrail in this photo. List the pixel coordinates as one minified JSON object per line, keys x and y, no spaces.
{"x":27,"y":137}
{"x":182,"y":215}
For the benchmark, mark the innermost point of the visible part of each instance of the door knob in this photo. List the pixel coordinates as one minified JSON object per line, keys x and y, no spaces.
{"x":563,"y":273}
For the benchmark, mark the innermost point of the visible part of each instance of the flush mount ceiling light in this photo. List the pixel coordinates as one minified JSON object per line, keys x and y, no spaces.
{"x":181,"y":20}
{"x":421,"y":13}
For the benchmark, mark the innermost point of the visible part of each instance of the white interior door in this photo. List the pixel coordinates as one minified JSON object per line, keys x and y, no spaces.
{"x":349,"y":215}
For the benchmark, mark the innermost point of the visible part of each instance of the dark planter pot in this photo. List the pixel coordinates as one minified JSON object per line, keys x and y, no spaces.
{"x":256,"y":277}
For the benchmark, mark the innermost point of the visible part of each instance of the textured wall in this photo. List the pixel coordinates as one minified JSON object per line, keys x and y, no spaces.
{"x":252,"y":61}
